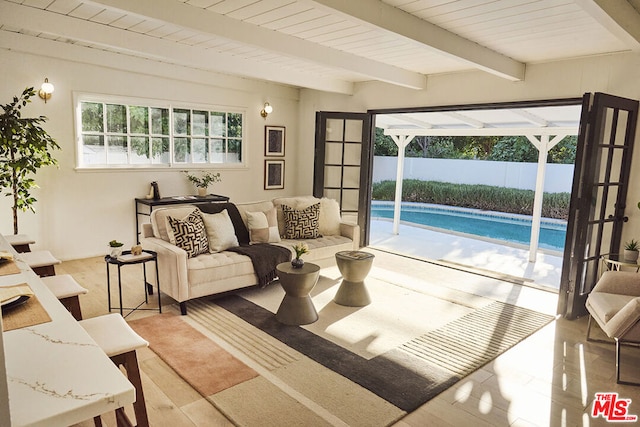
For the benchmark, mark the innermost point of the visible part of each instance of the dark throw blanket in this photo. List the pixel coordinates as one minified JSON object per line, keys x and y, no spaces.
{"x":265,"y":258}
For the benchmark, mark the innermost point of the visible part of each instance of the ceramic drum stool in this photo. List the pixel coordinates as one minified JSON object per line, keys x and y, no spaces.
{"x":354,"y":267}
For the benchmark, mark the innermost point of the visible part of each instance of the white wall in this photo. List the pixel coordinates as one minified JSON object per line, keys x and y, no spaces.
{"x":78,"y":212}
{"x":558,"y":178}
{"x":617,"y":74}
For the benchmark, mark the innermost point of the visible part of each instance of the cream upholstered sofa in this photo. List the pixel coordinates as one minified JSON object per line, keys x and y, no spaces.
{"x":184,"y":275}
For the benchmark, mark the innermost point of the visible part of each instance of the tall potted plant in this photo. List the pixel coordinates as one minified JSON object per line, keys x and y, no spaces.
{"x":24,"y":148}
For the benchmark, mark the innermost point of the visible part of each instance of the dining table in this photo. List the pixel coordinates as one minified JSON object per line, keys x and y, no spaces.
{"x":52,"y":373}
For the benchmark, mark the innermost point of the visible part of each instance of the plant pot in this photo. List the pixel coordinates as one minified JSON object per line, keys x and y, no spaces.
{"x":115,"y":251}
{"x":630,"y":256}
{"x":297,"y":263}
{"x":202,"y":191}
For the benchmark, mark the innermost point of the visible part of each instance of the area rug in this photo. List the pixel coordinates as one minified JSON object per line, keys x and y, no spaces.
{"x":288,"y":388}
{"x":355,"y":366}
{"x":205,"y":365}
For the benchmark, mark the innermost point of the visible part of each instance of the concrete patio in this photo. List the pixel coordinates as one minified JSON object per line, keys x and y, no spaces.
{"x":481,"y":256}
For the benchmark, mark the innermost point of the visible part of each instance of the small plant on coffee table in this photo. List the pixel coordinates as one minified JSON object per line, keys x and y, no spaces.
{"x":300,"y":249}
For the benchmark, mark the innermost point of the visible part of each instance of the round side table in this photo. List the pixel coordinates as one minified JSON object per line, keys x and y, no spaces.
{"x":297,"y":308}
{"x":127,"y":258}
{"x":354,"y":267}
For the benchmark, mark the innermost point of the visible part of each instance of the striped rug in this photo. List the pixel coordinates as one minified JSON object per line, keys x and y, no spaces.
{"x":406,"y":376}
{"x":466,"y":344}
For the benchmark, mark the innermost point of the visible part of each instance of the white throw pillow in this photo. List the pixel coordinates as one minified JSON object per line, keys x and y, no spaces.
{"x":329,"y":222}
{"x":220,"y":231}
{"x":263,"y":227}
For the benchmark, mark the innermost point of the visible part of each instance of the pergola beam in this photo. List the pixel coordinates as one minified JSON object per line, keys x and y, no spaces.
{"x":490,"y":131}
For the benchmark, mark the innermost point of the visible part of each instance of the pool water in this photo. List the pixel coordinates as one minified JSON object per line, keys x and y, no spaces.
{"x":494,"y":225}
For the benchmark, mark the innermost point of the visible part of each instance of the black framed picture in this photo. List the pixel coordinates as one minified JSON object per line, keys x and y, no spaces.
{"x":273,"y":174}
{"x":274,"y":140}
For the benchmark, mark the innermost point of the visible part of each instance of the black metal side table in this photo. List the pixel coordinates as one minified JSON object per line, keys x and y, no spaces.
{"x":129,"y":259}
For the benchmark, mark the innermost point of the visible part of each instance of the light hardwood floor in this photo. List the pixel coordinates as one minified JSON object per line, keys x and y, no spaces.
{"x":549,"y":379}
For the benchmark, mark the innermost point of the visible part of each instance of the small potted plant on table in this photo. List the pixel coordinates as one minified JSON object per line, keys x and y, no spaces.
{"x":116,"y":248}
{"x":631,"y":249}
{"x":203,"y":182}
{"x":300,"y":249}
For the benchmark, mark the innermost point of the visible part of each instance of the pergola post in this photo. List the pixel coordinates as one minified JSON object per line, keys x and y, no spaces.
{"x":543,"y":145}
{"x":401,"y":141}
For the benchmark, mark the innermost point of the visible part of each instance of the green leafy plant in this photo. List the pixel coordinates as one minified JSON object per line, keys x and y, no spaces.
{"x":203,"y":181}
{"x":24,"y":148}
{"x":115,"y":244}
{"x":632,"y":245}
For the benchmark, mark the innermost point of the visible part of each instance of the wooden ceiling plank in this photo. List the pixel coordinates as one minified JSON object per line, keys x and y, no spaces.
{"x":380,"y":15}
{"x":63,"y":6}
{"x":285,"y":22}
{"x":274,"y":15}
{"x":177,"y":13}
{"x":126,"y":21}
{"x":257,"y":9}
{"x":86,"y":11}
{"x":37,"y":3}
{"x":107,"y":16}
{"x":146,"y":26}
{"x":321,"y":22}
{"x":229,"y":6}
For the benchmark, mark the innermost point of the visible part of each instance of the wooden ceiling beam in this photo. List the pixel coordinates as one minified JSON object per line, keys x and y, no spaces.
{"x":205,"y":21}
{"x":102,"y":36}
{"x":378,"y":14}
{"x":619,"y":17}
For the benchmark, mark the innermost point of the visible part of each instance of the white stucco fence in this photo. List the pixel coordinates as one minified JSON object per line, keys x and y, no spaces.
{"x":499,"y":174}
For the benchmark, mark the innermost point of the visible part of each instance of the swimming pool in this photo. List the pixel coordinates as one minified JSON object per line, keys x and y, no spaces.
{"x":494,"y":225}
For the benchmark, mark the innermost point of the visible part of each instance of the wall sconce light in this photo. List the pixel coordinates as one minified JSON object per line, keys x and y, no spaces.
{"x":266,"y":110}
{"x":46,"y":90}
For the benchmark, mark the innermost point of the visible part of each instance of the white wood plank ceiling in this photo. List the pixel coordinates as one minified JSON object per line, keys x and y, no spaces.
{"x":326,"y":45}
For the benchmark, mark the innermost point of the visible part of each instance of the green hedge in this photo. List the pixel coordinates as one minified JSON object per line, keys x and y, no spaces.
{"x":485,"y":197}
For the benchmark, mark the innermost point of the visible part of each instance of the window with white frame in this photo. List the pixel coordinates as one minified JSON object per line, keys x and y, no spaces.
{"x":135,"y":134}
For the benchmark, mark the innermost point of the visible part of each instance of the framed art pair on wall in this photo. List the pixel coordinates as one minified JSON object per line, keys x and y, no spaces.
{"x":274,"y":140}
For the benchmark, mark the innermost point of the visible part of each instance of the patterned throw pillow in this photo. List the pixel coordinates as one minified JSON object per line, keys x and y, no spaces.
{"x":263,"y":227}
{"x":189,"y":234}
{"x":302,"y":224}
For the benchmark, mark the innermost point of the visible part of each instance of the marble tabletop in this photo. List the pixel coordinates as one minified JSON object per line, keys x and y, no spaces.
{"x":56,"y":375}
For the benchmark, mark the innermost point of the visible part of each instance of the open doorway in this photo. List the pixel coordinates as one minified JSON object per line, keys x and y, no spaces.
{"x":450,"y":157}
{"x":344,"y":161}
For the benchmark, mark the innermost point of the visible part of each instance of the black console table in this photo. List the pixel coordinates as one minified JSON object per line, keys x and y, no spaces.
{"x":174,"y":200}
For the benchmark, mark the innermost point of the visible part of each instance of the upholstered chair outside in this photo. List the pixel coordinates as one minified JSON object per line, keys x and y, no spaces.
{"x":614,"y":303}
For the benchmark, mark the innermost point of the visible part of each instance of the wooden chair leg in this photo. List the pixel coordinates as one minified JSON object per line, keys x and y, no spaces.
{"x":73,"y":305}
{"x":130,"y":362}
{"x":122,"y":420}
